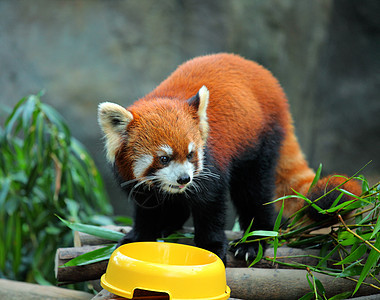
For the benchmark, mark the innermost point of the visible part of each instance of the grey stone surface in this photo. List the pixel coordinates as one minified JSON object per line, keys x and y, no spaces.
{"x":325,"y":54}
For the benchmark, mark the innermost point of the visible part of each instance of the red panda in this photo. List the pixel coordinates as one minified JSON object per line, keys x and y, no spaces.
{"x":219,"y":124}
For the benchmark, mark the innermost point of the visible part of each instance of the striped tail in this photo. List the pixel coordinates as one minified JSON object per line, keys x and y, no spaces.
{"x":293,"y":173}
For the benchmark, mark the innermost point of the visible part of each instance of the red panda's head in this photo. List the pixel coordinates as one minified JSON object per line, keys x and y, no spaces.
{"x":158,"y":142}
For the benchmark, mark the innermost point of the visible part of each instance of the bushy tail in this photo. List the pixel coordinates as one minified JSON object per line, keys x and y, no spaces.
{"x":293,"y":173}
{"x":324,"y":186}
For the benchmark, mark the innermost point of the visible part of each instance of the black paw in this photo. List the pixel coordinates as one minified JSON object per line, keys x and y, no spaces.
{"x":246,"y":251}
{"x":128,"y":238}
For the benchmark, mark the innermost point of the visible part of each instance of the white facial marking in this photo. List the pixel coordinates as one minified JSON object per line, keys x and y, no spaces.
{"x":170,"y":174}
{"x":142,"y":164}
{"x":165,"y":150}
{"x":191,"y":147}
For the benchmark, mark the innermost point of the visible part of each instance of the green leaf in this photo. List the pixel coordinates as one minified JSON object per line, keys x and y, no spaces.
{"x":341,"y":296}
{"x":347,"y":239}
{"x":260,"y":233}
{"x":91,"y":257}
{"x":4,"y":189}
{"x":40,"y":135}
{"x":308,"y":296}
{"x":336,"y":201}
{"x":15,"y":116}
{"x":354,"y":256}
{"x":124,"y":220}
{"x":320,"y":286}
{"x":372,"y":260}
{"x":276,"y":228}
{"x":40,"y":279}
{"x":17,"y":244}
{"x":94,"y":230}
{"x":311,"y":284}
{"x":365,"y":185}
{"x":352,"y":270}
{"x":375,"y":230}
{"x":28,"y":112}
{"x":322,"y":262}
{"x":258,"y":257}
{"x":15,"y":109}
{"x":316,"y":177}
{"x":279,"y":218}
{"x":57,"y":119}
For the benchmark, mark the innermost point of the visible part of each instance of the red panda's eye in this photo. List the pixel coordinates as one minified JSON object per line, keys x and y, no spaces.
{"x":164,"y":159}
{"x":190,"y":155}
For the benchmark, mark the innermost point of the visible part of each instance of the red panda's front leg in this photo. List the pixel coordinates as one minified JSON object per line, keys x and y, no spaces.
{"x":144,"y":228}
{"x":152,"y":222}
{"x":209,"y":222}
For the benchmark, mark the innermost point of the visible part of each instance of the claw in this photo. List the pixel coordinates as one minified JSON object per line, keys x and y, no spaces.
{"x":237,"y":252}
{"x":246,"y":256}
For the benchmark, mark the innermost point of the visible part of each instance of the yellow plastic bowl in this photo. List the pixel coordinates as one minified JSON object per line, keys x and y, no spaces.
{"x":181,"y":271}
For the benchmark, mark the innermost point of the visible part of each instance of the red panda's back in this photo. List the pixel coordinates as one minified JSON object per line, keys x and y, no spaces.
{"x":245,"y":100}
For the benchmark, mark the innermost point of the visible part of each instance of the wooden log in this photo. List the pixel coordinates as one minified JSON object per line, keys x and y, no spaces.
{"x":77,"y":273}
{"x":254,"y":283}
{"x":84,"y":239}
{"x":276,"y":284}
{"x":285,"y":284}
{"x":21,"y":290}
{"x":95,"y":270}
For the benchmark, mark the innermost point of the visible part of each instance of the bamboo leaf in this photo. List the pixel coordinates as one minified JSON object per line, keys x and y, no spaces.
{"x":15,"y":109}
{"x":340,"y":206}
{"x":316,"y":177}
{"x":4,"y":189}
{"x":354,"y":256}
{"x":262,"y":233}
{"x":57,"y":120}
{"x":9,"y":124}
{"x":308,"y":296}
{"x":17,"y":244}
{"x":276,"y":228}
{"x":279,"y":218}
{"x":258,"y":257}
{"x":320,"y":286}
{"x":365,"y":185}
{"x":28,"y":112}
{"x":341,"y":296}
{"x":336,"y":201}
{"x":372,"y":260}
{"x":347,"y":239}
{"x":375,"y":230}
{"x":352,"y":270}
{"x":125,"y":220}
{"x":326,"y":257}
{"x":91,"y":257}
{"x":94,"y":230}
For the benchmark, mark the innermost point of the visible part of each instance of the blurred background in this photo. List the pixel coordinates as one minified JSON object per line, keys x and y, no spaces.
{"x":325,"y":53}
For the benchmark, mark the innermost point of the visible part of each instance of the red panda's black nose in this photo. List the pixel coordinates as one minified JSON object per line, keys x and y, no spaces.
{"x":183,"y":179}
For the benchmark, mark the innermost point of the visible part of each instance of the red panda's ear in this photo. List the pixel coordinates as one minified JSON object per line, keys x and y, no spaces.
{"x":113,"y":119}
{"x":200,"y":102}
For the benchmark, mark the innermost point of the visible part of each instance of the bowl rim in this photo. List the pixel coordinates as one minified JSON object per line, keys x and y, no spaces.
{"x":213,"y":256}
